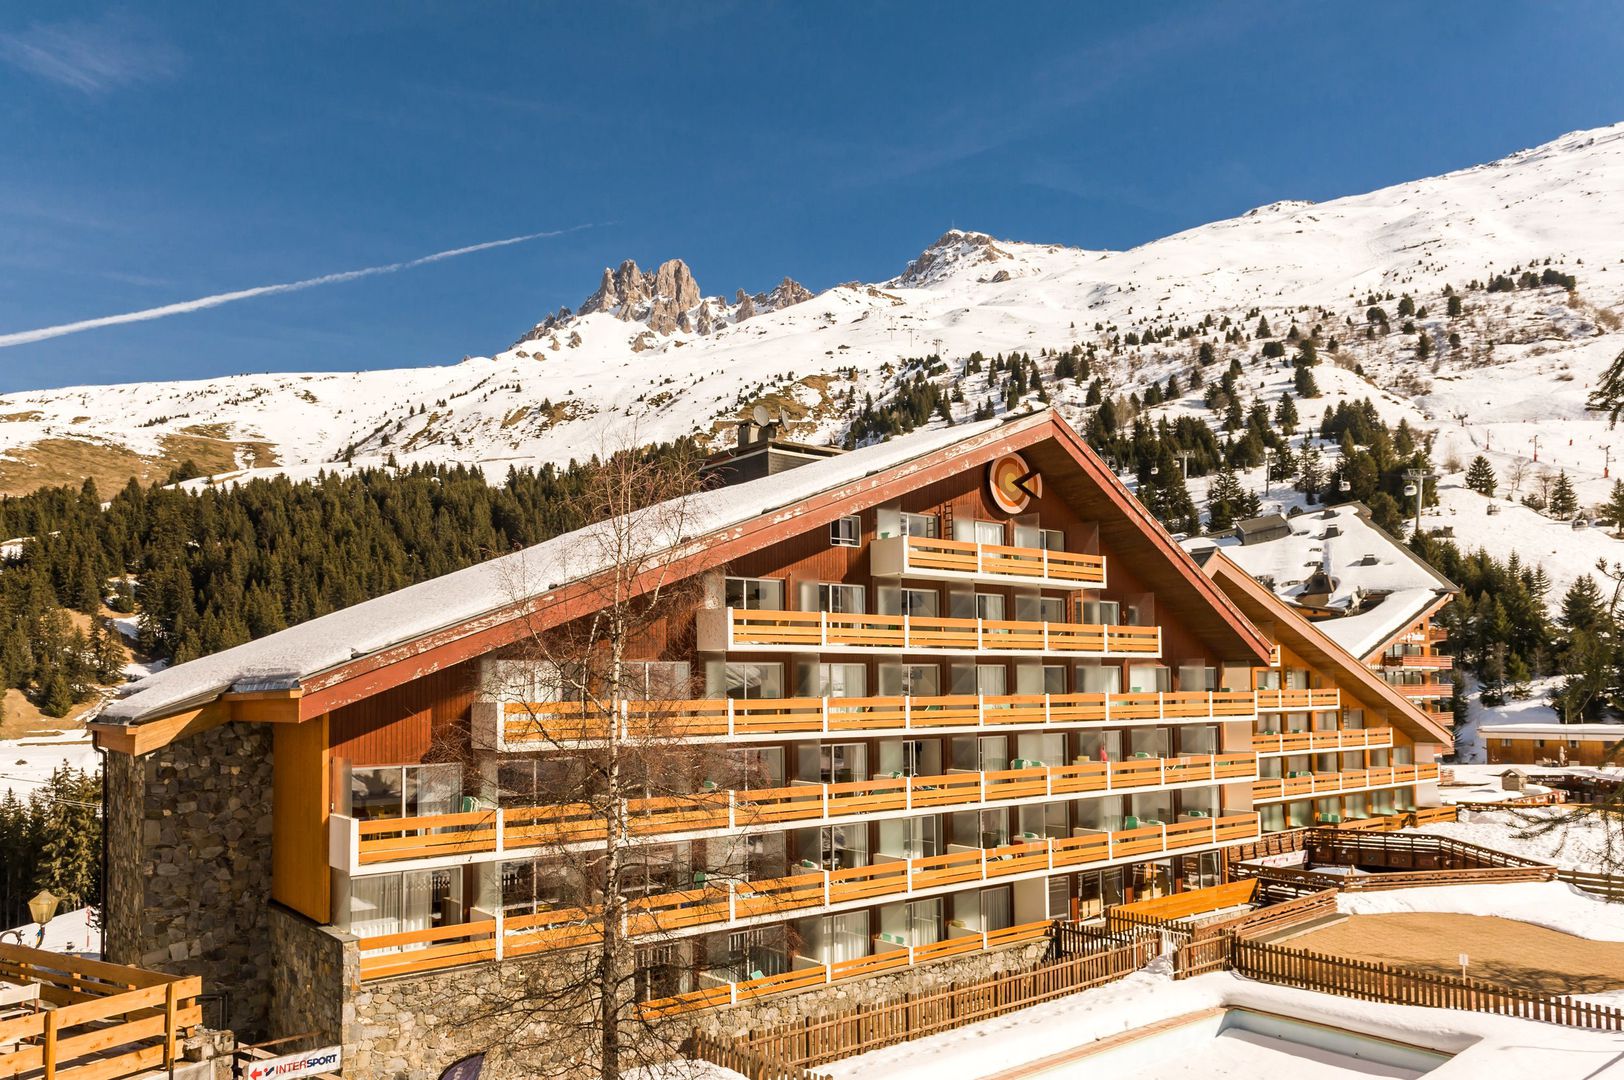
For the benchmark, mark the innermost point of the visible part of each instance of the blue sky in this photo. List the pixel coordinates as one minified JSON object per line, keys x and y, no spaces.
{"x":158,"y":153}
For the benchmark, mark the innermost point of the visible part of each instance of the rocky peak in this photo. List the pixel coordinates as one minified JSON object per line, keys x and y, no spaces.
{"x":953,"y":248}
{"x":789,"y":291}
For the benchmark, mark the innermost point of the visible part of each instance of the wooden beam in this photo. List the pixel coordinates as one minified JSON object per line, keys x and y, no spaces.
{"x":143,"y":738}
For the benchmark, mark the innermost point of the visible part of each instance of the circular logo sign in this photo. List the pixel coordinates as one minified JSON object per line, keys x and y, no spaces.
{"x":1013,"y":483}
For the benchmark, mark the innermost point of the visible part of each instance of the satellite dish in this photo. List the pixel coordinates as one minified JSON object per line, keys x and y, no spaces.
{"x":759,"y":415}
{"x":783,"y":417}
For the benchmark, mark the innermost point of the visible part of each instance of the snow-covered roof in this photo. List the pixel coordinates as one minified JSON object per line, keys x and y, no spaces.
{"x":283,"y":658}
{"x":1367,"y":568}
{"x":1586,"y":732}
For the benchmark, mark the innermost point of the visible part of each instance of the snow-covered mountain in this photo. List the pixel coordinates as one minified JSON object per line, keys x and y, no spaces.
{"x":649,"y":356}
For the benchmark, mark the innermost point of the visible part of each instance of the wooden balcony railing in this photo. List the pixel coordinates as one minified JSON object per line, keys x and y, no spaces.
{"x":1424,"y":690}
{"x":1299,"y":742}
{"x":1436,"y":661}
{"x":718,"y":905}
{"x":894,"y":958}
{"x":485,"y":835}
{"x":538,"y":725}
{"x":1316,"y":784}
{"x":749,"y":629}
{"x":1295,"y":700}
{"x":925,"y":556}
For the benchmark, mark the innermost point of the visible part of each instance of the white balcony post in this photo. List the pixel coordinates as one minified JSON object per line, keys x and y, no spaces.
{"x":983,"y":864}
{"x":1045,"y":635}
{"x":825,"y":888}
{"x":500,"y":929}
{"x":823,"y":629}
{"x":980,"y":560}
{"x":730,"y":717}
{"x":908,"y":881}
{"x":1161,"y":765}
{"x":907,"y":630}
{"x":907,"y":713}
{"x":1046,"y":709}
{"x":979,"y":645}
{"x":732,"y":809}
{"x":823,"y":712}
{"x":1163,"y":827}
{"x":501,"y":836}
{"x":732,"y":903}
{"x":1110,"y":845}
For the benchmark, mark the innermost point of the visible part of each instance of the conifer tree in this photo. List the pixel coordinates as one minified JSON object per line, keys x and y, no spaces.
{"x":1608,"y":396}
{"x":1480,"y":476}
{"x":1613,"y":510}
{"x":1564,"y":502}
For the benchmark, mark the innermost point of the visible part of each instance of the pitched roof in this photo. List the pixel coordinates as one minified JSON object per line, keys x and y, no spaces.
{"x":1309,"y":640}
{"x":362,"y":649}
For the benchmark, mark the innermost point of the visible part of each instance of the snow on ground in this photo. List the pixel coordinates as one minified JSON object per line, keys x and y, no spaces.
{"x":71,"y":932}
{"x":1551,"y":904}
{"x":1532,"y":708}
{"x":26,"y":764}
{"x":1553,"y":834}
{"x":1485,"y":1045}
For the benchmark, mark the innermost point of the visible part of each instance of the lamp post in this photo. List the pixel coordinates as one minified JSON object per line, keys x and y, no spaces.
{"x":43,"y":908}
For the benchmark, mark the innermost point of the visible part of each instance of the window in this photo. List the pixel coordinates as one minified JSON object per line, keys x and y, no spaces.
{"x":1030,"y":536}
{"x":393,"y":791}
{"x":842,"y":763}
{"x":753,"y":680}
{"x":910,"y":680}
{"x":910,"y":838}
{"x":534,"y":781}
{"x":846,"y":531}
{"x":990,"y":606}
{"x":840,"y":599}
{"x":1052,"y":609}
{"x":921,"y":603}
{"x":658,"y":680}
{"x":1107,"y":612}
{"x":397,"y":903}
{"x":764,"y":594}
{"x":921,"y":525}
{"x":835,"y":680}
{"x":982,"y":532}
{"x":660,"y":972}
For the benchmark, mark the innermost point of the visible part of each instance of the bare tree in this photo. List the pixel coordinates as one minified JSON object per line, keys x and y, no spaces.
{"x":610,"y":767}
{"x":1517,"y":472}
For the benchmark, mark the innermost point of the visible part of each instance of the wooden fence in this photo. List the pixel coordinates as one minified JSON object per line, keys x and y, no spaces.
{"x":1369,"y":980}
{"x":1610,"y":886}
{"x":91,"y":1019}
{"x":784,"y":1052}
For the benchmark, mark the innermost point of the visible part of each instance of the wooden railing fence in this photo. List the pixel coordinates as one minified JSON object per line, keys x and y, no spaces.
{"x":93,"y":1019}
{"x":1369,"y":980}
{"x":779,"y":1053}
{"x":1610,"y":886}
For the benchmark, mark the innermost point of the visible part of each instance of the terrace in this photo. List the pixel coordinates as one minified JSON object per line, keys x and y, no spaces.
{"x":964,"y":560}
{"x":766,"y":630}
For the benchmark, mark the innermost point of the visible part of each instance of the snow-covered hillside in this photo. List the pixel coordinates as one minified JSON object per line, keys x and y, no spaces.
{"x":649,"y":352}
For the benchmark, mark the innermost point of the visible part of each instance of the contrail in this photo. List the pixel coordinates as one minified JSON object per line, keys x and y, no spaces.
{"x":23,"y":337}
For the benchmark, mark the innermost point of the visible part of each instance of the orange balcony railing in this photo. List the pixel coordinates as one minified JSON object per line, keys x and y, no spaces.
{"x":539,"y":725}
{"x":748,"y":629}
{"x":485,"y":835}
{"x":923,"y":556}
{"x":1437,"y":661}
{"x":1300,"y":742}
{"x":1424,"y":690}
{"x":719,"y":905}
{"x":1316,"y":784}
{"x":1295,"y":700}
{"x":893,"y":958}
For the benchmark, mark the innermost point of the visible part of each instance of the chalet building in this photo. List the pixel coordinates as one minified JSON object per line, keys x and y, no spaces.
{"x":1367,"y":591}
{"x":1553,"y":744}
{"x":1344,"y":743}
{"x":955,"y":685}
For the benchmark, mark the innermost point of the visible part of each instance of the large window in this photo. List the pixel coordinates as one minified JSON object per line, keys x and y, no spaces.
{"x":766,"y":594}
{"x":393,"y":791}
{"x":989,"y":606}
{"x":745,"y":679}
{"x":982,"y":532}
{"x":910,"y":680}
{"x":397,"y":903}
{"x":834,"y":680}
{"x":841,"y":599}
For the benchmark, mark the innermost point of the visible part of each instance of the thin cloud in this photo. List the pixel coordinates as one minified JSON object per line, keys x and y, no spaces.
{"x":184,"y":307}
{"x":92,"y":56}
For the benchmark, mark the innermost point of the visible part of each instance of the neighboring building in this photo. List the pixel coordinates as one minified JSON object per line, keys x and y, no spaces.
{"x":1336,"y":741}
{"x":1260,"y":530}
{"x":973,"y":681}
{"x":1367,"y":591}
{"x":1553,"y":744}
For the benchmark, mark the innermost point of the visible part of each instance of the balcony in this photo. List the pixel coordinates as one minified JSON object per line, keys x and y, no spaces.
{"x":1298,"y":700}
{"x":392,"y":844}
{"x":964,"y":560}
{"x":1435,"y":662}
{"x":895,"y":958}
{"x":756,"y":630}
{"x":1423,"y":691}
{"x":523,"y":726}
{"x":1302,"y":742}
{"x":1314,"y":785}
{"x":731,"y":904}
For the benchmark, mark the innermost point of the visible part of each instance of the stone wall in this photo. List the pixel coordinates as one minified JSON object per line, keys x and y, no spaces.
{"x":413,"y":1026}
{"x":315,"y":969}
{"x":189,"y":864}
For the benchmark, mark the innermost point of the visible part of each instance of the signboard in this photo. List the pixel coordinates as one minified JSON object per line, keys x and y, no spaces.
{"x":291,"y":1066}
{"x":1013,"y":485}
{"x":467,"y":1068}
